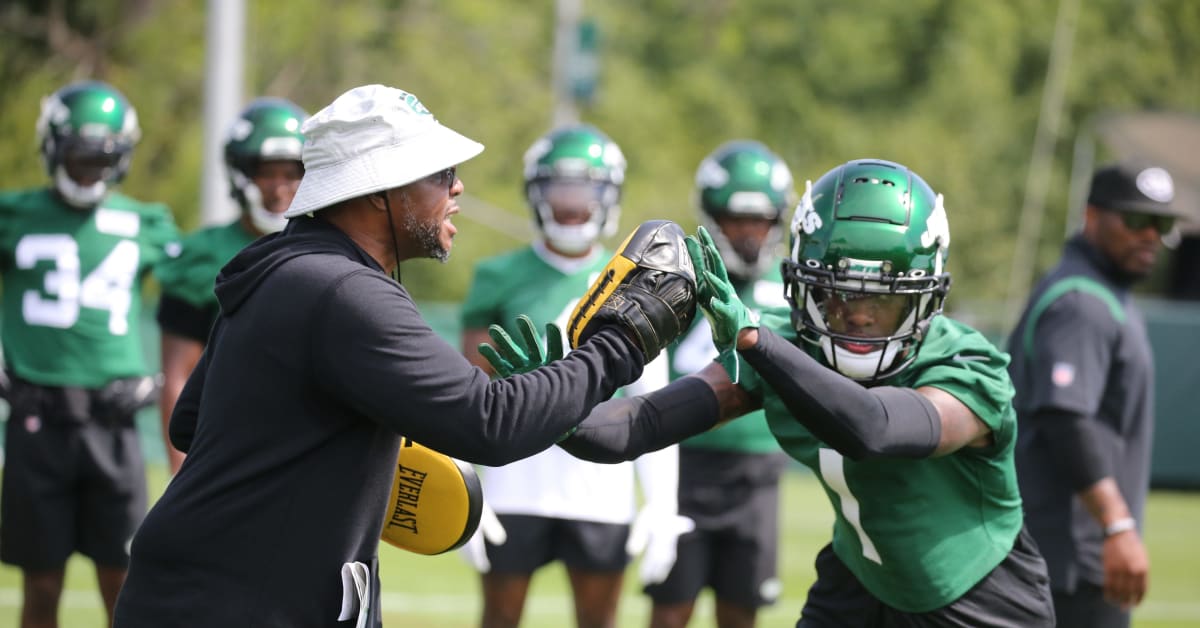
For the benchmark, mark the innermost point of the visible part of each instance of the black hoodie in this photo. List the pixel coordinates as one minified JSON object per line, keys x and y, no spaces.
{"x":291,"y":422}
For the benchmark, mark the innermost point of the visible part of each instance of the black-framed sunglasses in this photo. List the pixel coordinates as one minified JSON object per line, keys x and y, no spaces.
{"x":445,"y":177}
{"x":1136,"y":222}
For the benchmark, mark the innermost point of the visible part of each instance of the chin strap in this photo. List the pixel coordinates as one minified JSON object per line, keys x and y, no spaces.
{"x":387,"y":206}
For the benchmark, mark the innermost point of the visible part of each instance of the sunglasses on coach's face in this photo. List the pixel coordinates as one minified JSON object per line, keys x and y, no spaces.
{"x":445,"y":177}
{"x":1136,"y":222}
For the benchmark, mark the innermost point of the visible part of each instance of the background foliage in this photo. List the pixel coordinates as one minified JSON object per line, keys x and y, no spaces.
{"x":951,"y":88}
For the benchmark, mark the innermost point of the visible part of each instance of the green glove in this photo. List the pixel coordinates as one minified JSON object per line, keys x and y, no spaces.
{"x":509,"y":358}
{"x":717,"y":298}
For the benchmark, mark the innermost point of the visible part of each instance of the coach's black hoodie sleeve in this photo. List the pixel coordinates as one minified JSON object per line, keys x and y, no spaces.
{"x":372,"y":347}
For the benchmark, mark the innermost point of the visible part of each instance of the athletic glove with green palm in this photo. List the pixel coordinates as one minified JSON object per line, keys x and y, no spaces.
{"x":717,"y":298}
{"x":509,"y":358}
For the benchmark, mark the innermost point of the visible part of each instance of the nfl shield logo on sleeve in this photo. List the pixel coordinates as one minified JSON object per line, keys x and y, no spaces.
{"x":1062,"y":374}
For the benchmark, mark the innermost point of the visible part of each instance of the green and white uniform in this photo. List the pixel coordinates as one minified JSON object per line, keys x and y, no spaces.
{"x":72,"y":285}
{"x":189,"y":278}
{"x":918,"y":533}
{"x":545,"y":286}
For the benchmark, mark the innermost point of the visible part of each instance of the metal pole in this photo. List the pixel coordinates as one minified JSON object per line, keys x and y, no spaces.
{"x":1081,"y":177}
{"x":566,"y":36}
{"x":223,"y":63}
{"x":1038,"y":177}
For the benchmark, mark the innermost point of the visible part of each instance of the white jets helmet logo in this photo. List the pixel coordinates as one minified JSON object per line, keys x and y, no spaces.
{"x":937,"y":227}
{"x":1156,"y":184}
{"x":806,"y":217}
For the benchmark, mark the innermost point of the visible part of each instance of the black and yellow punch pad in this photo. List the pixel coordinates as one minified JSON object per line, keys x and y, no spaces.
{"x":435,"y":501}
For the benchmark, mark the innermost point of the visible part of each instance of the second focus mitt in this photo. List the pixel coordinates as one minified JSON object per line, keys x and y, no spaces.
{"x":435,"y":501}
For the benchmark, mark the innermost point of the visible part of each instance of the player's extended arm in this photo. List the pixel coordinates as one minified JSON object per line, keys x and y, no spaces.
{"x":856,"y":421}
{"x":179,"y":356}
{"x":625,"y":428}
{"x":861,"y":422}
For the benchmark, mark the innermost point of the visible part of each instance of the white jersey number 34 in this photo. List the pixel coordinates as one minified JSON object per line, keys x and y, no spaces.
{"x":108,"y":287}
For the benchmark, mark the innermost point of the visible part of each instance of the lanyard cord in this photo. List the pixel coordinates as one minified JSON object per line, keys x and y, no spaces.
{"x":392,"y":229}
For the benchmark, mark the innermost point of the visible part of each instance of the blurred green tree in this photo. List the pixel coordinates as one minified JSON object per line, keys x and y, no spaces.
{"x":949,"y":88}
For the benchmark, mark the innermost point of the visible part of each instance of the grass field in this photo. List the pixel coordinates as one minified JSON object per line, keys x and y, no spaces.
{"x":442,"y":591}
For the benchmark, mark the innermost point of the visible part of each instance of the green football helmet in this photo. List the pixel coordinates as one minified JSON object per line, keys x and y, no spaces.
{"x":268,"y":129}
{"x":743,"y":178}
{"x":584,"y":168}
{"x":91,"y":127}
{"x":868,"y":229}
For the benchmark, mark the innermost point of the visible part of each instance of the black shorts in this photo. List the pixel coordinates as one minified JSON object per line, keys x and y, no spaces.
{"x":536,"y":541}
{"x":1016,"y":594}
{"x":734,"y":500}
{"x":69,"y":485}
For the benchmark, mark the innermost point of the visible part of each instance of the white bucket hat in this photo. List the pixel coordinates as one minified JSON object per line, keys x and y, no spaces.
{"x":372,"y":138}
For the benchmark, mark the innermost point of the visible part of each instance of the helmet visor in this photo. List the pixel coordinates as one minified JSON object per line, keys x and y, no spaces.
{"x":88,"y":160}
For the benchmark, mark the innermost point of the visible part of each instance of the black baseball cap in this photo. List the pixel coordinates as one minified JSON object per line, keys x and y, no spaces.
{"x":1132,"y":187}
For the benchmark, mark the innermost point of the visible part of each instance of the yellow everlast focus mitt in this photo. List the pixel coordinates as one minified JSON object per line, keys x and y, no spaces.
{"x":648,"y":287}
{"x":435,"y":502}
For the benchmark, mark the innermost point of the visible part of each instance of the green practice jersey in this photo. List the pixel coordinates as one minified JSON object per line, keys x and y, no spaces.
{"x":748,"y":434}
{"x":72,"y":285}
{"x":520,"y":282}
{"x":190,"y":276}
{"x":918,"y":533}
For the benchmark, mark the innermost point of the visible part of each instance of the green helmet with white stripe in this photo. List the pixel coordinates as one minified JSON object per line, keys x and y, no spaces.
{"x":868,"y":229}
{"x":268,"y":129}
{"x":743,"y":178}
{"x":573,"y":179}
{"x":86,"y":132}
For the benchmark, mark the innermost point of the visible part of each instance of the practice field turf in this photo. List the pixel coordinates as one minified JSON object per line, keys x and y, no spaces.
{"x":442,"y":591}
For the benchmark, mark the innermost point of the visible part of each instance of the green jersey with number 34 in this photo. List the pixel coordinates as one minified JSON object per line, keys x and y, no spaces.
{"x":918,"y":533}
{"x":72,"y":285}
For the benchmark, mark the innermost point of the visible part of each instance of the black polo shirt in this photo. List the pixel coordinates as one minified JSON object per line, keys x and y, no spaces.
{"x":1080,"y":347}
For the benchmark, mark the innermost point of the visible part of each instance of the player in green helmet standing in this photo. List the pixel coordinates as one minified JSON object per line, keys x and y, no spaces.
{"x":72,"y":257}
{"x":729,"y":476}
{"x":550,"y":506}
{"x":262,"y":157}
{"x":904,"y":415}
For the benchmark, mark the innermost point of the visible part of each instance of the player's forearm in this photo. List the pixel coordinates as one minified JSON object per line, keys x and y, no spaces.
{"x":167,"y":399}
{"x":858,"y":422}
{"x":625,"y":428}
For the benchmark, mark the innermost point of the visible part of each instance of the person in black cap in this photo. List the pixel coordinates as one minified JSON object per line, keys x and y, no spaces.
{"x":1083,"y":372}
